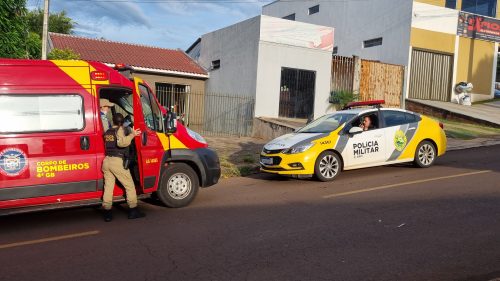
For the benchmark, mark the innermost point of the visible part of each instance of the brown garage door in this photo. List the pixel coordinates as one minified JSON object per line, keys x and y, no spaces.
{"x":430,"y":76}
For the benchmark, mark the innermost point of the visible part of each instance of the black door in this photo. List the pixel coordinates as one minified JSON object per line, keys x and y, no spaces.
{"x":297,"y":93}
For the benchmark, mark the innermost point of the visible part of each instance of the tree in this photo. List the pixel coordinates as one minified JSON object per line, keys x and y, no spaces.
{"x":13,"y":29}
{"x":58,"y":22}
{"x":63,"y":54}
{"x":21,"y":30}
{"x":33,"y":46}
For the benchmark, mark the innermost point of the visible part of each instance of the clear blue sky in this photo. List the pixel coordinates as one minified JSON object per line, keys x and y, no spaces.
{"x":166,"y":23}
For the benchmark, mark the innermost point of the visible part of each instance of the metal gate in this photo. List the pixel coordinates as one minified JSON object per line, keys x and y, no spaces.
{"x":297,"y":93}
{"x":431,"y":76}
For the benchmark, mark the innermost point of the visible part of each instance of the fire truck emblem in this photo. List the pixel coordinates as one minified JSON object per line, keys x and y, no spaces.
{"x":13,"y":162}
{"x":400,"y":140}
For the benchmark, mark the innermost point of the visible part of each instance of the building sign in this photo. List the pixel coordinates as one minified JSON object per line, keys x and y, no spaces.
{"x":478,"y":27}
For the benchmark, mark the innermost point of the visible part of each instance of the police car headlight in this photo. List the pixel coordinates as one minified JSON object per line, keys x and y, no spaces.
{"x":196,"y":136}
{"x":298,"y":149}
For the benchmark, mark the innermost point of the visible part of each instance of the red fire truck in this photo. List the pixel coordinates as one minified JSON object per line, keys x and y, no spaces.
{"x":51,"y":138}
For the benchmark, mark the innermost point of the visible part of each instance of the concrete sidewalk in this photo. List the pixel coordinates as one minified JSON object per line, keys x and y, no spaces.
{"x":486,"y":113}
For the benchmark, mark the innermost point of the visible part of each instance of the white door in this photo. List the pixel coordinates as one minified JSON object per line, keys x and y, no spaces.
{"x":365,"y":149}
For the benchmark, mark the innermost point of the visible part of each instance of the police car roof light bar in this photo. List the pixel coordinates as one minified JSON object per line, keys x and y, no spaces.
{"x":374,"y":103}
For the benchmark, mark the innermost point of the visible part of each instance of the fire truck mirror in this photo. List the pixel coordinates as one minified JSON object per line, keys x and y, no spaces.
{"x":170,"y":122}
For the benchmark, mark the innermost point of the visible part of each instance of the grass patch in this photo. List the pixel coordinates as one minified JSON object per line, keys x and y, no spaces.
{"x":466,"y":131}
{"x":230,"y":170}
{"x":249,"y":159}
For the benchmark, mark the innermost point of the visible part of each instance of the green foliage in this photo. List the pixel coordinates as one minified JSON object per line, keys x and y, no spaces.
{"x":342,"y":98}
{"x":21,"y":30}
{"x":58,"y":22}
{"x":13,"y":29}
{"x":34,"y":46}
{"x":63,"y":54}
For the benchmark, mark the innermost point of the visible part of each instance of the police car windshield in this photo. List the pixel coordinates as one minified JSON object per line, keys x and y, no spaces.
{"x":327,"y":123}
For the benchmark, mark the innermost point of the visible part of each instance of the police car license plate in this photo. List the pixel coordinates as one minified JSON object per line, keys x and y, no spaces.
{"x":266,"y":160}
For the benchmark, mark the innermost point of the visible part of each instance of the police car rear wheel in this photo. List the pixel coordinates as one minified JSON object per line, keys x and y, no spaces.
{"x":179,"y":185}
{"x":425,"y":154}
{"x":328,"y":166}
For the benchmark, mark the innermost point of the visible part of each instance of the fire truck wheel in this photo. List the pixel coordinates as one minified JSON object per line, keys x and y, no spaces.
{"x":179,"y":185}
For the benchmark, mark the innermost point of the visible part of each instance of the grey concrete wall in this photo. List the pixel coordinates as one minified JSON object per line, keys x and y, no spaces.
{"x":356,"y":21}
{"x":269,"y":130}
{"x":236,"y":47}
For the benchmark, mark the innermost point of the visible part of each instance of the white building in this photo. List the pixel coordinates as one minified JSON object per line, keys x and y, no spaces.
{"x":284,"y":65}
{"x":420,"y":34}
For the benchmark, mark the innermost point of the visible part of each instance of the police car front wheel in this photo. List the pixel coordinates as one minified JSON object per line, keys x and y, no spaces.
{"x":328,"y":166}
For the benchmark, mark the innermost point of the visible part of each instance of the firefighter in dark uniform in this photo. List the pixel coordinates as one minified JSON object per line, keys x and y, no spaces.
{"x":117,"y":148}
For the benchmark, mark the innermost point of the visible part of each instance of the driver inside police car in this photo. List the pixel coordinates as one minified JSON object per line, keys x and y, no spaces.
{"x":367,"y":123}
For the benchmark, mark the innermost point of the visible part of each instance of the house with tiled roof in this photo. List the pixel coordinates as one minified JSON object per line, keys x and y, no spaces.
{"x":171,"y":72}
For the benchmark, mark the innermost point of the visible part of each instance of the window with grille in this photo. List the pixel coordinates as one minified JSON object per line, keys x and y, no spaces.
{"x":290,"y":17}
{"x":173,"y":95}
{"x":314,"y":10}
{"x":372,"y":42}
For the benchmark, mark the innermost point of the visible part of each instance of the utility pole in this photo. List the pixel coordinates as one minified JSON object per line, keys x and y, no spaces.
{"x":45,"y":32}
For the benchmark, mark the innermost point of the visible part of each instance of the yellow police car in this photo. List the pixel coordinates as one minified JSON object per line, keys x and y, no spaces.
{"x":358,"y":137}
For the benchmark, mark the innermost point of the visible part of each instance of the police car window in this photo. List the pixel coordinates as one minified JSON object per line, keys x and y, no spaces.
{"x":411,"y":118}
{"x":327,"y":123}
{"x":41,"y":113}
{"x":373,"y":118}
{"x":394,"y":118}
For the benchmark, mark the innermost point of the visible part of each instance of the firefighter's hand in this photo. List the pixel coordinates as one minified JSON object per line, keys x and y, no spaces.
{"x":137,"y":132}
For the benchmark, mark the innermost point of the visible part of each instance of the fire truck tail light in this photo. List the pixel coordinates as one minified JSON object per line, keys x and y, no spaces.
{"x":99,"y":75}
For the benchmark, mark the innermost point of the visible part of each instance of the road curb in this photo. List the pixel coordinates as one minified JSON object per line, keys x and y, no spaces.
{"x":476,"y":143}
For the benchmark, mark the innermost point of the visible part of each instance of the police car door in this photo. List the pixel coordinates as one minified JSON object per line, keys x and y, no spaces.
{"x":400,"y":129}
{"x":366,"y":148}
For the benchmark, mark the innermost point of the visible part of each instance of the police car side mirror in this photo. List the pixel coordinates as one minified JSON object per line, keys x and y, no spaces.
{"x":170,"y":122}
{"x":355,"y":130}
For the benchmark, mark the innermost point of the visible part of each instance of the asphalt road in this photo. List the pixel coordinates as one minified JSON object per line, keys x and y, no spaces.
{"x":386,"y":223}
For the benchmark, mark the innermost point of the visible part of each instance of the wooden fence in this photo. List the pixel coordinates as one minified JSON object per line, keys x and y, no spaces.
{"x":371,"y":80}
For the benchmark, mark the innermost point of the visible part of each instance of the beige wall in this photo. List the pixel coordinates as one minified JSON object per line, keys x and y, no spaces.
{"x":475,"y":64}
{"x":474,"y":58}
{"x":430,"y":40}
{"x":197,"y":85}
